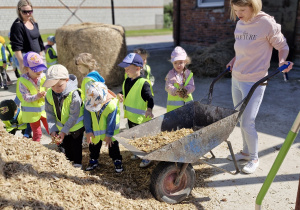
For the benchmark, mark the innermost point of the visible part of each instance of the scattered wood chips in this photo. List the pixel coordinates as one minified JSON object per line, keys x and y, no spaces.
{"x":35,"y":177}
{"x":151,"y":143}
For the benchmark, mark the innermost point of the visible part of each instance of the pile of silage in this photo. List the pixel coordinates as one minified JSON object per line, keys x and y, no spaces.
{"x":212,"y":60}
{"x":34,"y":177}
{"x":104,"y":41}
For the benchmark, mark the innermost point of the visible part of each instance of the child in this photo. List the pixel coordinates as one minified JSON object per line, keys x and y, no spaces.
{"x":87,"y":65}
{"x":64,"y":108}
{"x":31,"y":93}
{"x":103,"y":108}
{"x":12,"y":58}
{"x":137,"y":95}
{"x":11,"y":116}
{"x":179,"y":80}
{"x":50,"y":53}
{"x":3,"y":62}
{"x":146,"y":70}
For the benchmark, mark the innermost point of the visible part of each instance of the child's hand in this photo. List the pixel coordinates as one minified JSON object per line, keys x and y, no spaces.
{"x":89,"y":137}
{"x":41,"y":94}
{"x":149,"y":113}
{"x":108,"y":141}
{"x":120,"y":97}
{"x":53,"y":134}
{"x":62,"y":136}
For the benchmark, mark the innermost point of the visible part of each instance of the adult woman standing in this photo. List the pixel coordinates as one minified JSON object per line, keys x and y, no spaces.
{"x":25,"y":35}
{"x":256,"y":34}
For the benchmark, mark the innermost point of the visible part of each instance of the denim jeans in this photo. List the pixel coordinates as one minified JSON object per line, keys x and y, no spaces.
{"x":247,"y":120}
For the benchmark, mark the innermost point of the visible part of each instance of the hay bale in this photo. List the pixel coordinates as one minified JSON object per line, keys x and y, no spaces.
{"x":105,"y":42}
{"x":212,"y":61}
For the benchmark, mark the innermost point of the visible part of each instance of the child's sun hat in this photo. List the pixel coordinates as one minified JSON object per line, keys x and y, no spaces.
{"x":178,"y":54}
{"x":34,"y":61}
{"x":96,"y":95}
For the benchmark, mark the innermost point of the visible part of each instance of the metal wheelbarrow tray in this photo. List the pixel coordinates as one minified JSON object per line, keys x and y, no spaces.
{"x":173,"y":178}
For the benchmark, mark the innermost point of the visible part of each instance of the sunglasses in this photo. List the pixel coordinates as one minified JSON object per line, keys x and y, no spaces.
{"x":25,"y":12}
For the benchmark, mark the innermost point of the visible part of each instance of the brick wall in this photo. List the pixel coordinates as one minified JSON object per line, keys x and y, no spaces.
{"x":131,"y":14}
{"x":202,"y":26}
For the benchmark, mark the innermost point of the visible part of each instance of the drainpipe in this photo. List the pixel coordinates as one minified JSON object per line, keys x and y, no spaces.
{"x":178,"y":24}
{"x":113,"y":12}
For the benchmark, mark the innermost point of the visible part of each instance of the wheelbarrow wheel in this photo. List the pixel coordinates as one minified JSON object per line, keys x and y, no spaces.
{"x":163,"y":186}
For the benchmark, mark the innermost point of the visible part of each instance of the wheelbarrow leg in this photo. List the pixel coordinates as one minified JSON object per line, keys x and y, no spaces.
{"x":182,"y":170}
{"x":233,"y":157}
{"x":212,"y":154}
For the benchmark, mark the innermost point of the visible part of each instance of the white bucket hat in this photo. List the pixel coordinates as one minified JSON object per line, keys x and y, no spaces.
{"x":96,"y":95}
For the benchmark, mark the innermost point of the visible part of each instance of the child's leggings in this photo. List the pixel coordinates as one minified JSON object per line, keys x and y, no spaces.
{"x":37,"y":129}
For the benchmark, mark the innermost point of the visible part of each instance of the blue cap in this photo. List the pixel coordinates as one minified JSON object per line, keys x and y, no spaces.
{"x":132,"y":59}
{"x":51,"y":39}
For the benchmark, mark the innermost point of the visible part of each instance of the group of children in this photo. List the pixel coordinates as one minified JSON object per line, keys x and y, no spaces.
{"x":51,"y":95}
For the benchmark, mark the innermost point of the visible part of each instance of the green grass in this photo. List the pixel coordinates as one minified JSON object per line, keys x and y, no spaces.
{"x":148,"y":32}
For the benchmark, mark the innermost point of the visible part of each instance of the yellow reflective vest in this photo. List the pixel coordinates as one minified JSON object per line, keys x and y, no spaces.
{"x":1,"y":58}
{"x":175,"y":102}
{"x":134,"y":105}
{"x":50,"y":61}
{"x":65,"y":111}
{"x":32,"y":111}
{"x":19,"y":126}
{"x":83,"y":83}
{"x":99,"y":128}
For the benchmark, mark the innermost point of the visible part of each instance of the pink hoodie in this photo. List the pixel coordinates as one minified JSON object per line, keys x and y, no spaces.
{"x":254,"y":42}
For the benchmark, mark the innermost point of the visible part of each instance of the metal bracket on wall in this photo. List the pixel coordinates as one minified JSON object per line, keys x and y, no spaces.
{"x":73,"y":13}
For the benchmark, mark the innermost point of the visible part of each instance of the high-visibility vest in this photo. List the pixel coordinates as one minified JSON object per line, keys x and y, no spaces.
{"x":65,"y":111}
{"x":19,"y":126}
{"x":175,"y":102}
{"x":10,"y":49}
{"x":19,"y":94}
{"x":7,"y":61}
{"x":1,"y":58}
{"x":134,"y":105}
{"x":99,"y":128}
{"x":83,"y":83}
{"x":50,"y":61}
{"x":32,"y":111}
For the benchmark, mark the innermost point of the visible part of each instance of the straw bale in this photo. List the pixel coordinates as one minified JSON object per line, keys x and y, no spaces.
{"x":212,"y":60}
{"x":35,"y":177}
{"x":104,"y":41}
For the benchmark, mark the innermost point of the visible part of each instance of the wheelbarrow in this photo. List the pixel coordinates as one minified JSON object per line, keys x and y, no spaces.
{"x":172,"y":180}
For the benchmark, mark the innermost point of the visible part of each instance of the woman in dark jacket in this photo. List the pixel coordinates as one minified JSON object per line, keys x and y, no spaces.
{"x":25,"y":34}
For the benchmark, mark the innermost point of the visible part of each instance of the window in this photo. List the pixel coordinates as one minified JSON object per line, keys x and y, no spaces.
{"x":210,"y":3}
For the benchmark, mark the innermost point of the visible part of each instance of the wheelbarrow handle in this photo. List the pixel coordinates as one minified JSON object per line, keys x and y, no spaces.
{"x":211,"y":88}
{"x":248,"y":97}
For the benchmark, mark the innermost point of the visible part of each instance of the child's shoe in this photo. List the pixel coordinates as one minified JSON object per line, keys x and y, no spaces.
{"x":92,"y":165}
{"x":5,"y":87}
{"x":118,"y":166}
{"x":77,"y":165}
{"x":145,"y":163}
{"x":134,"y":157}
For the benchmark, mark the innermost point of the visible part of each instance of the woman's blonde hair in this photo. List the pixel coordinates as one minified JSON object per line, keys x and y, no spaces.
{"x":256,"y":5}
{"x":23,"y":3}
{"x":87,"y":60}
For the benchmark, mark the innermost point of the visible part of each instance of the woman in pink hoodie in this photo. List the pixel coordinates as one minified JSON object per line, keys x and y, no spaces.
{"x":256,"y":34}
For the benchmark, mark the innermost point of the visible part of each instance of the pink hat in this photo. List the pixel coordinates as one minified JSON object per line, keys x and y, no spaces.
{"x":34,"y":61}
{"x":178,"y":54}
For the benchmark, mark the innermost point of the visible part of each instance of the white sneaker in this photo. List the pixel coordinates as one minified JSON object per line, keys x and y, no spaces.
{"x":145,"y":163}
{"x":76,"y":165}
{"x":134,"y":157}
{"x":239,"y":156}
{"x":250,"y":167}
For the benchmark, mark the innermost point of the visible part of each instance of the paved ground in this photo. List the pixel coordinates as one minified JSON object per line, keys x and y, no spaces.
{"x":275,"y":118}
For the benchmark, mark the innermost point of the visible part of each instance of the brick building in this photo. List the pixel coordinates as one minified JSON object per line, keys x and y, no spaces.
{"x":204,"y":22}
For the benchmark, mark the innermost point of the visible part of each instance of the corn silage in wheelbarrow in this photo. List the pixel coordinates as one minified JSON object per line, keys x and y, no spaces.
{"x":173,"y":179}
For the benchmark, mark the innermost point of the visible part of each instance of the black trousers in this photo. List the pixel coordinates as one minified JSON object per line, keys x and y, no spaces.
{"x":113,"y":151}
{"x":73,"y":147}
{"x":131,"y":124}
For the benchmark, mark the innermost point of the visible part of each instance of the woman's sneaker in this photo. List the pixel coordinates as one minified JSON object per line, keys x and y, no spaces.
{"x":92,"y":165}
{"x":145,"y":163}
{"x":118,"y":166}
{"x":250,"y":167}
{"x":239,"y":156}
